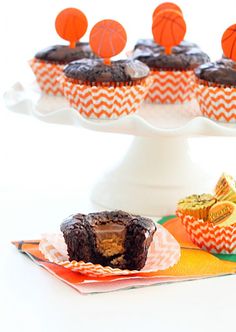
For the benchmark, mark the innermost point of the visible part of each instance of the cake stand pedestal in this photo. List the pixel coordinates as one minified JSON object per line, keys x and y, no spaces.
{"x":157,"y":169}
{"x":154,"y":174}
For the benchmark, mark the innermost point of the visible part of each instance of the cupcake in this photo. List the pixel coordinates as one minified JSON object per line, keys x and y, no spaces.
{"x":48,"y":63}
{"x":101,"y":88}
{"x":110,"y":238}
{"x":216,"y":90}
{"x":171,"y":61}
{"x":197,"y":206}
{"x":216,"y":82}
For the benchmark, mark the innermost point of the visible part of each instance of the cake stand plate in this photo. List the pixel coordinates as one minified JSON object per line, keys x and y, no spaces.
{"x":157,"y":169}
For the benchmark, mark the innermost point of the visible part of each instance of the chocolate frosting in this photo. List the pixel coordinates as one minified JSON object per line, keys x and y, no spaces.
{"x":220,"y":72}
{"x":184,"y":56}
{"x":94,"y":70}
{"x":64,"y":54}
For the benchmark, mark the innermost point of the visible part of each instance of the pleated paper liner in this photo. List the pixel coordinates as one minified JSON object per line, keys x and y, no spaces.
{"x":216,"y":102}
{"x":102,"y":101}
{"x":47,"y":75}
{"x":171,"y":87}
{"x":163,"y":253}
{"x":210,"y":237}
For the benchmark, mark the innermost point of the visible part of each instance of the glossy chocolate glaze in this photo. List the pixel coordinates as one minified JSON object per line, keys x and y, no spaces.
{"x":63,"y":54}
{"x":185,"y":56}
{"x":94,"y":70}
{"x":221,"y":72}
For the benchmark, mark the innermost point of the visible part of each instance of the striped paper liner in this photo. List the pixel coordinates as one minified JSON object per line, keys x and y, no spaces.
{"x":47,"y":75}
{"x":216,"y":102}
{"x":105,"y":102}
{"x":164,"y":252}
{"x":210,"y":237}
{"x":171,"y":87}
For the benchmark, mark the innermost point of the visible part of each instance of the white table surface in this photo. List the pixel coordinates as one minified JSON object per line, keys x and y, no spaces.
{"x":47,"y":172}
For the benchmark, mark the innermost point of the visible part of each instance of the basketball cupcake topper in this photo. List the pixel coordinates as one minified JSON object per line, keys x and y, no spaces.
{"x":107,"y":39}
{"x":164,"y":6}
{"x":71,"y":24}
{"x":168,"y":28}
{"x":228,"y":42}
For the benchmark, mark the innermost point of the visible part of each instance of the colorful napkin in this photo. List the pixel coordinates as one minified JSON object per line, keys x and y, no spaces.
{"x":193,"y":264}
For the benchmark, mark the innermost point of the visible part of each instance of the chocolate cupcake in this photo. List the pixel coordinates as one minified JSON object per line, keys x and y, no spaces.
{"x":103,"y":88}
{"x":216,"y":90}
{"x":71,"y":25}
{"x":48,"y":64}
{"x":117,"y":239}
{"x":170,"y":58}
{"x":102,"y":91}
{"x":172,"y":73}
{"x":216,"y":82}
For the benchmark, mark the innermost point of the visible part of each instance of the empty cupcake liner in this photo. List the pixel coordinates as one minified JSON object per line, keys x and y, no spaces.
{"x":163,"y":253}
{"x":105,"y":102}
{"x":171,"y":87}
{"x":216,"y":102}
{"x":47,"y":75}
{"x":210,"y":237}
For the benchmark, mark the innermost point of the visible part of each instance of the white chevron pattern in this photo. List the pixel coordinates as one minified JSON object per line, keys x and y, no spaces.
{"x":171,"y":87}
{"x":210,"y":237}
{"x":47,"y":76}
{"x":100,"y":102}
{"x":217,"y":103}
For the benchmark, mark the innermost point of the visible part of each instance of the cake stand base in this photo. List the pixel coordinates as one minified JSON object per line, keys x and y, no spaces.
{"x":154,"y":174}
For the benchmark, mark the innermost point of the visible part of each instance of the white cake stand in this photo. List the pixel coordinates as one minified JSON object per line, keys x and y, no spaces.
{"x":157,"y":170}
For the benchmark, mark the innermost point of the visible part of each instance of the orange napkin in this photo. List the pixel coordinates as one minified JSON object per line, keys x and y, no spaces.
{"x":193,"y":264}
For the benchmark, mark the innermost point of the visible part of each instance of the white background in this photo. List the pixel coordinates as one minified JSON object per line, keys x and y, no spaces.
{"x":47,"y":171}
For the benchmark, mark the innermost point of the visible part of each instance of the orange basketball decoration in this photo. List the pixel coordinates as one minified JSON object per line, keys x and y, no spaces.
{"x":107,"y":39}
{"x":228,"y":42}
{"x":164,"y":6}
{"x":168,"y":28}
{"x":71,"y":24}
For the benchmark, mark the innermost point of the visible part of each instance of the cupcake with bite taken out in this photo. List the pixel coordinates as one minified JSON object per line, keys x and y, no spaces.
{"x":48,"y":63}
{"x":171,"y":59}
{"x":216,"y":82}
{"x":104,"y":88}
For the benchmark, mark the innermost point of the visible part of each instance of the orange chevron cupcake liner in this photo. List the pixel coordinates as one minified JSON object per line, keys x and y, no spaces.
{"x":105,"y":102}
{"x":47,"y":75}
{"x":210,"y":237}
{"x":163,"y":253}
{"x":216,"y":102}
{"x":171,"y":87}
